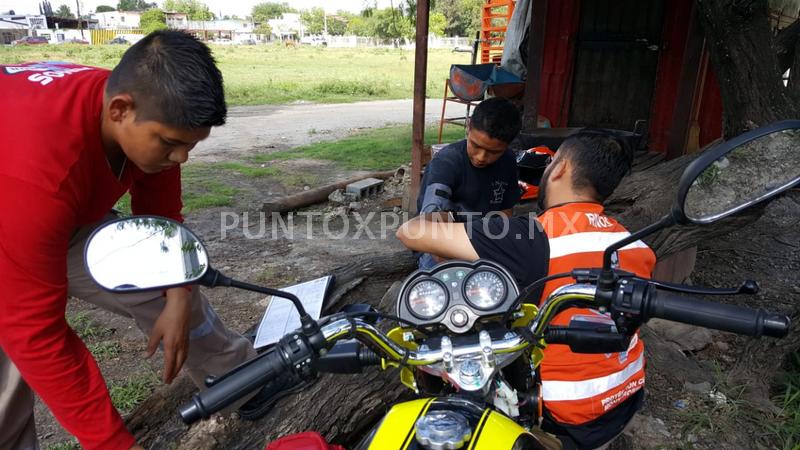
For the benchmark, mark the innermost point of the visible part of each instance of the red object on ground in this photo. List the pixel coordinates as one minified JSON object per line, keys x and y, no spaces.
{"x":310,"y":440}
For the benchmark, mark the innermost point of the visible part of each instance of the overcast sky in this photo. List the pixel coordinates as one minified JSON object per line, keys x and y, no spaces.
{"x":225,"y":7}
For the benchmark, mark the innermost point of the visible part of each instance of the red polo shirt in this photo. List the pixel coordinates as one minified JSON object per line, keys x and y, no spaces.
{"x":54,"y":178}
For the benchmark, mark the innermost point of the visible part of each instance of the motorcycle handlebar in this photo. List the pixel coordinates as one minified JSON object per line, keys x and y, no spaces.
{"x":245,"y":379}
{"x":736,"y":319}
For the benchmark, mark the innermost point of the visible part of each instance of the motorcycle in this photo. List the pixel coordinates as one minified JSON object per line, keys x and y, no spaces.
{"x":468,"y":338}
{"x":531,"y":165}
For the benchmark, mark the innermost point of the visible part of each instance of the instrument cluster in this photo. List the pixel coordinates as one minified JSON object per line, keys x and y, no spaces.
{"x":456,"y":294}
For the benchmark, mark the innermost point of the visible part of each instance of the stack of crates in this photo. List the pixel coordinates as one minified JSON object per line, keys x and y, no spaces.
{"x":495,"y":16}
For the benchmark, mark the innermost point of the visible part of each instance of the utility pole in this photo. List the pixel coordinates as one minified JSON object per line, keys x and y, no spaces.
{"x":325,"y":22}
{"x":80,"y":22}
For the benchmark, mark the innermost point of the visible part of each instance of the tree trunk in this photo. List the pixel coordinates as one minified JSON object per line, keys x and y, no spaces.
{"x":741,"y":50}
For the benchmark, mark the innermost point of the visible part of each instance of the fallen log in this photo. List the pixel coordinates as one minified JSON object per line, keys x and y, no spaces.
{"x":316,"y":195}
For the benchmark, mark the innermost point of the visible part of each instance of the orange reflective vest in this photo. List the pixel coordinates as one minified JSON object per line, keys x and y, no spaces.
{"x":578,"y":388}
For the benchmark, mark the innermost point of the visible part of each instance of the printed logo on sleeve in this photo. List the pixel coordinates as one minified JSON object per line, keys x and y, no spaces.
{"x":45,"y":72}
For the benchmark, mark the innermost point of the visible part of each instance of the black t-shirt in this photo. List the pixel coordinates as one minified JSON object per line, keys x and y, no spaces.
{"x":452,"y":183}
{"x":517,"y":243}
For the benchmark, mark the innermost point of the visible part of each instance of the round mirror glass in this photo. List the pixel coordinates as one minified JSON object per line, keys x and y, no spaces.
{"x":141,"y":253}
{"x":749,"y":173}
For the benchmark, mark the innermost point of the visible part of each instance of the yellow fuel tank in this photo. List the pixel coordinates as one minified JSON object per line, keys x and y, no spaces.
{"x":490,"y":430}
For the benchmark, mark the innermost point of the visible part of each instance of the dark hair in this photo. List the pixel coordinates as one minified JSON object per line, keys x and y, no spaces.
{"x":173,"y":79}
{"x":600,"y":160}
{"x":498,"y":118}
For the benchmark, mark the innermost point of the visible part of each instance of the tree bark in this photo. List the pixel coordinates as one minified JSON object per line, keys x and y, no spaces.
{"x":740,"y":47}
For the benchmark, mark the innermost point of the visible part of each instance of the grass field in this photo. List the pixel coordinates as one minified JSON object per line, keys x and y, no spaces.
{"x":271,"y":74}
{"x":377,"y":149}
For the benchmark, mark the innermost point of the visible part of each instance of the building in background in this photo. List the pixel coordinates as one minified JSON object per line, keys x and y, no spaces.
{"x":118,"y":20}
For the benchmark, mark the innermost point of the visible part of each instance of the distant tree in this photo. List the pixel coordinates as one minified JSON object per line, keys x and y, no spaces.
{"x":134,"y":5}
{"x":64,"y":12}
{"x":361,"y":26}
{"x":45,"y":8}
{"x":314,"y":20}
{"x":104,"y":8}
{"x":194,"y":9}
{"x":392,"y":23}
{"x":263,"y":29}
{"x":437,"y":24}
{"x":463,"y":16}
{"x":262,"y":12}
{"x":337,"y":23}
{"x":153,"y":20}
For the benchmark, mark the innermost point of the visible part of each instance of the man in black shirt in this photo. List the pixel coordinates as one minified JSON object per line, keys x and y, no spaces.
{"x":587,"y":169}
{"x":476,"y":176}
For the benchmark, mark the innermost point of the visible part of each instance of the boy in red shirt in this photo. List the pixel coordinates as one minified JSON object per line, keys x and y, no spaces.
{"x":74,"y":140}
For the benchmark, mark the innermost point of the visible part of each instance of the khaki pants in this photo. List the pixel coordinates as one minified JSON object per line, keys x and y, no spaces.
{"x":213,"y":349}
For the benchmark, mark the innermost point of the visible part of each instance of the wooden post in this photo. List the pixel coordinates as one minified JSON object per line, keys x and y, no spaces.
{"x":530,"y":118}
{"x":687,"y":88}
{"x":420,"y":83}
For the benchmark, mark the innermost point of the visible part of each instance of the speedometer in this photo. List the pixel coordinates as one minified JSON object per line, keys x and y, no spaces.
{"x":427,"y":299}
{"x":485,"y":290}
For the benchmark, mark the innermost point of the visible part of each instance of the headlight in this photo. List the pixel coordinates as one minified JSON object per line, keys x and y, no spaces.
{"x":485,"y":290}
{"x":427,"y":299}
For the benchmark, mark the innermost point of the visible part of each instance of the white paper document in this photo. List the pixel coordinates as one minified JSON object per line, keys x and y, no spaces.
{"x":281,"y":316}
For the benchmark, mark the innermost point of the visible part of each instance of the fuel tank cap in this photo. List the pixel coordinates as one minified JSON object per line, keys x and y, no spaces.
{"x":443,"y":430}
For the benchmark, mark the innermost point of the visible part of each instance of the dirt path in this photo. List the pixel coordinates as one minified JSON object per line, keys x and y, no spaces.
{"x":286,"y":126}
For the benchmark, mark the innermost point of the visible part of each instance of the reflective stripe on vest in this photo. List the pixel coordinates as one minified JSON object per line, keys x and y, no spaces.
{"x":590,"y":241}
{"x":578,"y":388}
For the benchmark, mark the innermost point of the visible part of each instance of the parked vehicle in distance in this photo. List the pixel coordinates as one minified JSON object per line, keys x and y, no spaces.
{"x":119,"y":40}
{"x":222,"y":41}
{"x":30,"y":40}
{"x":247,"y":42}
{"x":76,"y":41}
{"x":316,"y":41}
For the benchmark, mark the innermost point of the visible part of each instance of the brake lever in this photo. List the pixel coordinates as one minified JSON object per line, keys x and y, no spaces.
{"x":748,"y":287}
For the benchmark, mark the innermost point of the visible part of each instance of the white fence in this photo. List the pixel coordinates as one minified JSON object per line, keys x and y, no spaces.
{"x":433,"y":42}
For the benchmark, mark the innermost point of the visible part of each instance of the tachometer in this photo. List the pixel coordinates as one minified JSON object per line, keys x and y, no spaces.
{"x":485,"y":289}
{"x":427,"y":299}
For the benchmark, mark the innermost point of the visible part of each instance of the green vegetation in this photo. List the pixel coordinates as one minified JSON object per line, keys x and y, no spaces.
{"x":273,"y":74}
{"x":104,"y":350}
{"x":123,"y":205}
{"x":153,"y":20}
{"x":378,"y":149}
{"x":202,"y":190}
{"x":68,"y":445}
{"x":249,"y":170}
{"x":85,"y":327}
{"x":128,"y":393}
{"x":786,"y":427}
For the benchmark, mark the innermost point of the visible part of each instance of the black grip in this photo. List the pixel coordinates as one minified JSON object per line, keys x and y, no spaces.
{"x":736,"y":319}
{"x":243,"y":380}
{"x":601,"y":339}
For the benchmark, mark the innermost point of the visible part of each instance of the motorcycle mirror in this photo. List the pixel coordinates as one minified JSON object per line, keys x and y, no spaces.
{"x":144,"y":253}
{"x":739,"y":173}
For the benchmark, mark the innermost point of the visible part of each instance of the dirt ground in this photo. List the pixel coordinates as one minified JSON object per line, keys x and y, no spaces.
{"x":732,"y":411}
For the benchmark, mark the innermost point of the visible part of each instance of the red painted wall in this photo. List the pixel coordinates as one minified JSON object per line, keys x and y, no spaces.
{"x":676,"y":28}
{"x":558,"y":60}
